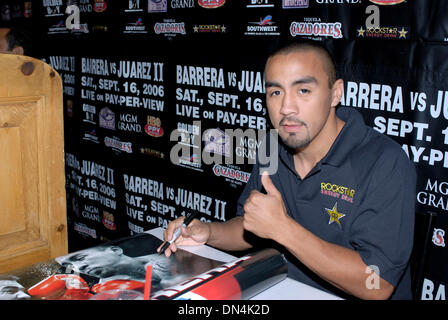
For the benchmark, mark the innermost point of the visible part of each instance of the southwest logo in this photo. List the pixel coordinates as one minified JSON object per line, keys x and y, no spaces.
{"x":267,"y":21}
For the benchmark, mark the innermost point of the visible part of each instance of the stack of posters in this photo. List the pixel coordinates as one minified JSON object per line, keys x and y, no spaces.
{"x":119,"y":268}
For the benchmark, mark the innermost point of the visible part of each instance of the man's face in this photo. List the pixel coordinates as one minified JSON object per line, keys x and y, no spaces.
{"x":3,"y":42}
{"x":96,"y":261}
{"x":298,"y":96}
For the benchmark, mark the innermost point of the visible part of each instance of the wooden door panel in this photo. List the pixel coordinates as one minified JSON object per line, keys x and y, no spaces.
{"x":32,"y":186}
{"x":11,"y":182}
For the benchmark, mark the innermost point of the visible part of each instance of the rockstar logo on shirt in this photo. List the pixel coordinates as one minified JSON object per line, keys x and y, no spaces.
{"x":335,"y":216}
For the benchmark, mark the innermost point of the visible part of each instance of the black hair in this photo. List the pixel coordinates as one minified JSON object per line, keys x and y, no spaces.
{"x":19,"y":37}
{"x":138,"y":245}
{"x":305,"y":45}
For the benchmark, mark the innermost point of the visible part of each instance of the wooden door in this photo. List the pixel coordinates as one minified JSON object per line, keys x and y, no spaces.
{"x":33,"y":220}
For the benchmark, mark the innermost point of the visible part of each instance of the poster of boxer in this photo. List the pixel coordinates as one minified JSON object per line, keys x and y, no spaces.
{"x":120,"y":266}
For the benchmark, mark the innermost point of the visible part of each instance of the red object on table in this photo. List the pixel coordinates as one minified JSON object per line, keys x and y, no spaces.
{"x":148,"y":278}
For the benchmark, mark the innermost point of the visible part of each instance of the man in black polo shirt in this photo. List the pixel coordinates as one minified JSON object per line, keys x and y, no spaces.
{"x":341,"y":200}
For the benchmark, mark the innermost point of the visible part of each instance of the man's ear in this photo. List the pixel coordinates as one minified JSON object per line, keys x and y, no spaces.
{"x":18,"y":50}
{"x":336,"y":92}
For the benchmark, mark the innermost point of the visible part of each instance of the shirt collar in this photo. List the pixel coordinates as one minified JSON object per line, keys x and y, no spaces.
{"x":350,"y":136}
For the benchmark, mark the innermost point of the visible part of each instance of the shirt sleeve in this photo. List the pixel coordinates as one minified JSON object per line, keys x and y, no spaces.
{"x":383,"y":231}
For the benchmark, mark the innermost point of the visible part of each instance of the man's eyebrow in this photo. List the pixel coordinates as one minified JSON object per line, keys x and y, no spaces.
{"x":304,"y":80}
{"x":269,"y":84}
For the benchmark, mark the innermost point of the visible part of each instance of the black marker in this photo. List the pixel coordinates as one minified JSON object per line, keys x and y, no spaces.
{"x":176,"y":234}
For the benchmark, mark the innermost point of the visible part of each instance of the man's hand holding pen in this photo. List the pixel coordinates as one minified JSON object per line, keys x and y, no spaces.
{"x":264,"y":215}
{"x":184,"y":231}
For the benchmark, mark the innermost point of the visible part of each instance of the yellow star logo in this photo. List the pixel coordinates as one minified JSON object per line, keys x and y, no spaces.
{"x":335,"y":216}
{"x":402,"y":33}
{"x":361,"y":32}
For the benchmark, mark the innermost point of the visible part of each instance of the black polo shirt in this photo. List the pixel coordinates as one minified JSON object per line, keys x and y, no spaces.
{"x":361,"y":196}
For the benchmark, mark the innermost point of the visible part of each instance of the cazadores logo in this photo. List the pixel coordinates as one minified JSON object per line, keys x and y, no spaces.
{"x":317,"y":29}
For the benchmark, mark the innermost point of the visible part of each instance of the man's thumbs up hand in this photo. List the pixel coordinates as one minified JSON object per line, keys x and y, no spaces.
{"x":269,"y":185}
{"x":264,"y":213}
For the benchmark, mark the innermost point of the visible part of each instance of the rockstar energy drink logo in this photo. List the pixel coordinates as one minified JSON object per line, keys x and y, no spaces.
{"x":337,"y":191}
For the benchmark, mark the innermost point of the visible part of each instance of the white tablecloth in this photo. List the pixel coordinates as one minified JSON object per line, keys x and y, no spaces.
{"x":287,"y":289}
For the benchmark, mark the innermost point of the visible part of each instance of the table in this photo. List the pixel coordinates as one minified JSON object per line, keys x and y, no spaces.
{"x":287,"y":289}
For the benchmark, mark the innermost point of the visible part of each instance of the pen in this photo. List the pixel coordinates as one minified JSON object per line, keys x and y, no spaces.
{"x":176,"y":234}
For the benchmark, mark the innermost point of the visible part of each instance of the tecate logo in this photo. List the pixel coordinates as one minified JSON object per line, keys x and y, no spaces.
{"x":211,"y":4}
{"x":387,"y":2}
